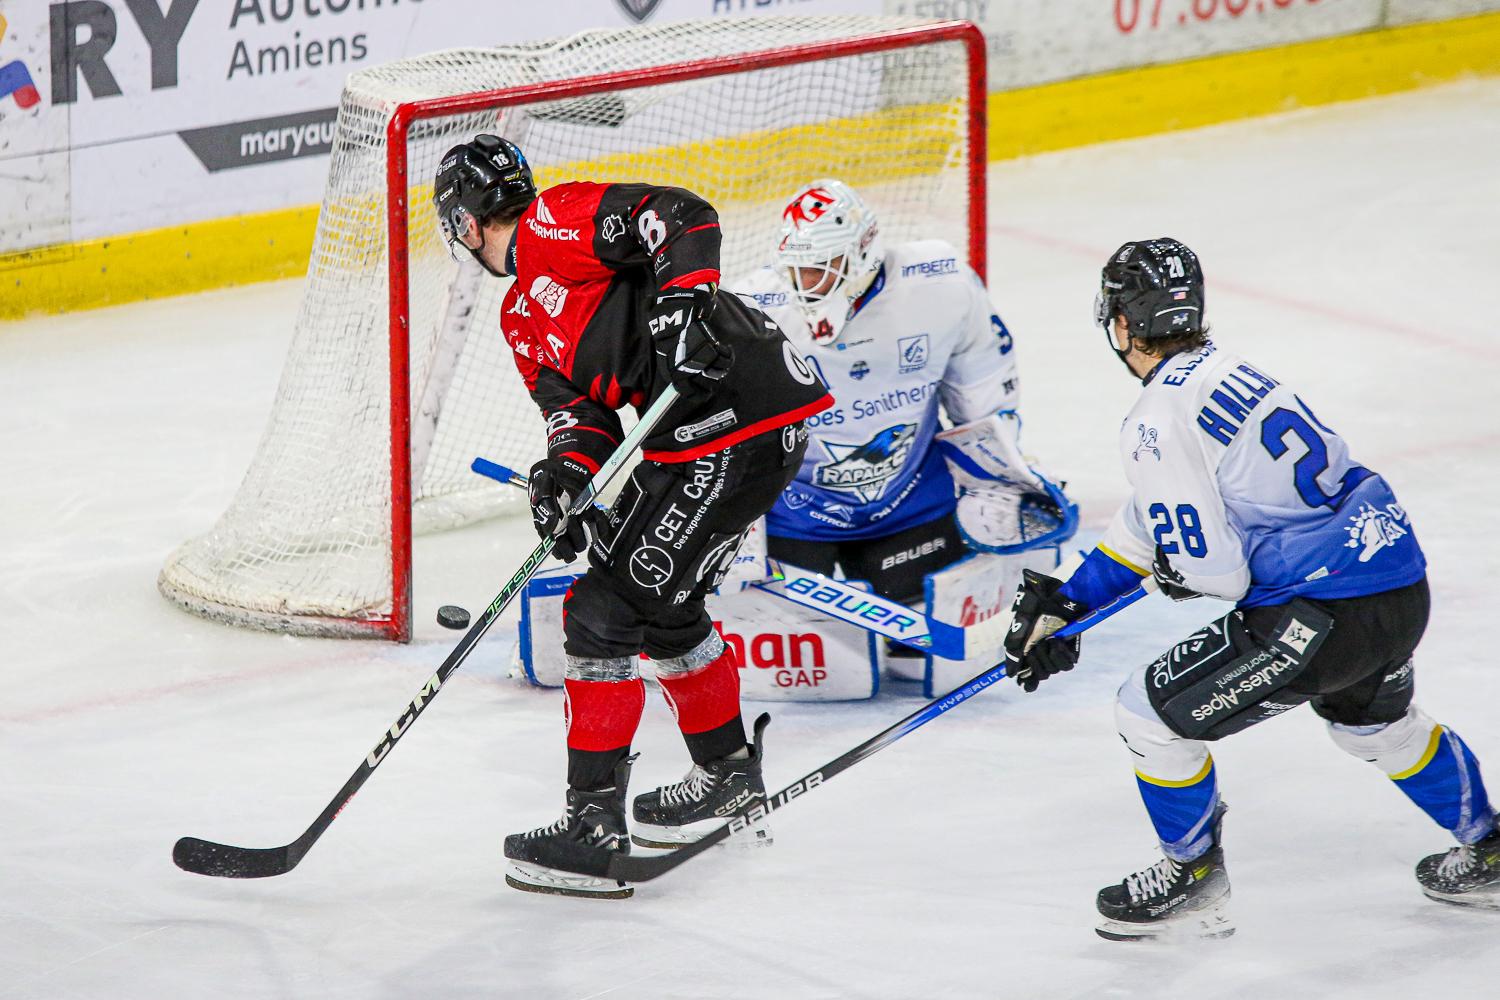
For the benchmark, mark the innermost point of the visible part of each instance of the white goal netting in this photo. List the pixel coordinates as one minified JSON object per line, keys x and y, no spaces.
{"x":307,"y":545}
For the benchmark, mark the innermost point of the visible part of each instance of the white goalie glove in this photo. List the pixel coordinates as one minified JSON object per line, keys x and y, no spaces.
{"x":1004,"y":505}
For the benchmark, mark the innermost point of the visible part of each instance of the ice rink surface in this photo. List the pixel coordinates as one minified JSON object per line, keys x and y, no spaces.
{"x":1350,"y":251}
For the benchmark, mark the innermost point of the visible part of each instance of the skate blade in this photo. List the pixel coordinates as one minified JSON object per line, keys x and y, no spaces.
{"x":673,"y":837}
{"x":536,"y":878}
{"x":1211,"y":922}
{"x":1474,"y":899}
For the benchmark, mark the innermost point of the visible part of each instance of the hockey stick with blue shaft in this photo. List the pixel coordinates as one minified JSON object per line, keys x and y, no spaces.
{"x":642,"y":868}
{"x":842,"y":602}
{"x":204,"y":857}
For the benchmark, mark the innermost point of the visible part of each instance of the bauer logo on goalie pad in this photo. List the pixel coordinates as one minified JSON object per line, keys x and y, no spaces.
{"x":866,"y":469}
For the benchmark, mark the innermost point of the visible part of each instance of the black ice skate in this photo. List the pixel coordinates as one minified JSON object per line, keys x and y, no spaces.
{"x":1171,"y":898}
{"x":592,"y":821}
{"x":678,"y":814}
{"x":1466,"y":876}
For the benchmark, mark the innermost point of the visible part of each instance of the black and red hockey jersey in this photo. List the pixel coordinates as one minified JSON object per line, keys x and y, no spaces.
{"x":589,"y":260}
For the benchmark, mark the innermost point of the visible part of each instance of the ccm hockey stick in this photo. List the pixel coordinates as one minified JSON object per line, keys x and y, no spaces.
{"x":842,"y":602}
{"x":207,"y":858}
{"x":639,"y":868}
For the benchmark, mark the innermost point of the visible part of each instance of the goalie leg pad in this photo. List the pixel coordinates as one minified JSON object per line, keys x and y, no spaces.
{"x":976,"y":593}
{"x":792,"y":653}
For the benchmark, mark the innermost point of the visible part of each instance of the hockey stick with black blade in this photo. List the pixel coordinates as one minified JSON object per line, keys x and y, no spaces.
{"x":639,"y":868}
{"x":204,"y":857}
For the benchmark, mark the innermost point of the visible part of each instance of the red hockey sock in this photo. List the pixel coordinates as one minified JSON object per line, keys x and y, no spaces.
{"x":602,"y":715}
{"x":705,"y":699}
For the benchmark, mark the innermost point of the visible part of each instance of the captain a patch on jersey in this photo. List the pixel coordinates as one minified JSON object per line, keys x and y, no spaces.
{"x":866,"y":469}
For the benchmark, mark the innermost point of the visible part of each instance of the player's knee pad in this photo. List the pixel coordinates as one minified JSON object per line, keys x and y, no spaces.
{"x":706,"y":652}
{"x":600,"y":668}
{"x":1394,"y":747}
{"x":1160,"y":754}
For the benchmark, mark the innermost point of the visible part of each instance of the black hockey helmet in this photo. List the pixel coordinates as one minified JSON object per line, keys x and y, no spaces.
{"x":476,"y":181}
{"x":1157,"y":285}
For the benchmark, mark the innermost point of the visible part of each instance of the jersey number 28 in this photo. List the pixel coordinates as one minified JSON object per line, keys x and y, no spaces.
{"x":1187,"y":527}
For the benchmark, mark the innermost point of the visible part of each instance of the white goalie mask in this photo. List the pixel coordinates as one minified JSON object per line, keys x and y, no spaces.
{"x":829,"y":251}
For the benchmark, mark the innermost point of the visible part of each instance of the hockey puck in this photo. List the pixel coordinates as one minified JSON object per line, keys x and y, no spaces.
{"x":452,"y":616}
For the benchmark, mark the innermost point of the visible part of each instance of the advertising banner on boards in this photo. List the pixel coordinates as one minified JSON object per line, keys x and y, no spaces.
{"x":118,"y":116}
{"x":122,"y":115}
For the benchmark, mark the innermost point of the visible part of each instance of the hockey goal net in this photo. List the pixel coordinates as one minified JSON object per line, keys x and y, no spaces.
{"x":397,"y":376}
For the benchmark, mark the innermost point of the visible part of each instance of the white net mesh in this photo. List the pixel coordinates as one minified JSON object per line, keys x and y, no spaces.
{"x":306,"y":544}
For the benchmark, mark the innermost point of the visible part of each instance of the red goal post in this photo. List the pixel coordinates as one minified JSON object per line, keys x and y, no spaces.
{"x":190,"y":577}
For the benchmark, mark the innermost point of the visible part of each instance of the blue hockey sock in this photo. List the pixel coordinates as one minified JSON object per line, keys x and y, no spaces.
{"x":1182,"y":811}
{"x":1446,"y":785}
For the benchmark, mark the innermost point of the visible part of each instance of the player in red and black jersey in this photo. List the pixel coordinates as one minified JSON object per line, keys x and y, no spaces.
{"x":615,"y":297}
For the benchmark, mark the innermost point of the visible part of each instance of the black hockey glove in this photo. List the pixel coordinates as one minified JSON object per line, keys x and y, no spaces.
{"x":694,"y":357}
{"x":1169,"y":580}
{"x":1030,"y":655}
{"x":554,"y":483}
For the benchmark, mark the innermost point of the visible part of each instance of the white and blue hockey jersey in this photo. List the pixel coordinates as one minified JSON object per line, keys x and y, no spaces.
{"x":924,"y":333}
{"x":1249,"y":495}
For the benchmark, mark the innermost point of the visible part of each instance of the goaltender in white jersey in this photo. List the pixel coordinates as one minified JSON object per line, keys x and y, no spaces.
{"x":893,"y":333}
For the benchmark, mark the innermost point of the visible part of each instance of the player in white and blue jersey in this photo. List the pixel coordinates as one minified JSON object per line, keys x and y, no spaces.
{"x":1240,"y":492}
{"x":900,"y":336}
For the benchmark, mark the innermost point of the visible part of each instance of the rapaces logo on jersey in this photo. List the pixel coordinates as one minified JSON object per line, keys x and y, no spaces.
{"x":866,"y":469}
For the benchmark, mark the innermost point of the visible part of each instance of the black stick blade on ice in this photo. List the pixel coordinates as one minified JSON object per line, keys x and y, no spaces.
{"x":202,"y":857}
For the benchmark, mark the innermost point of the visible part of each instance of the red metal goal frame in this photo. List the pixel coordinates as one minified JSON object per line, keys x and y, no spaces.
{"x":398,"y":625}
